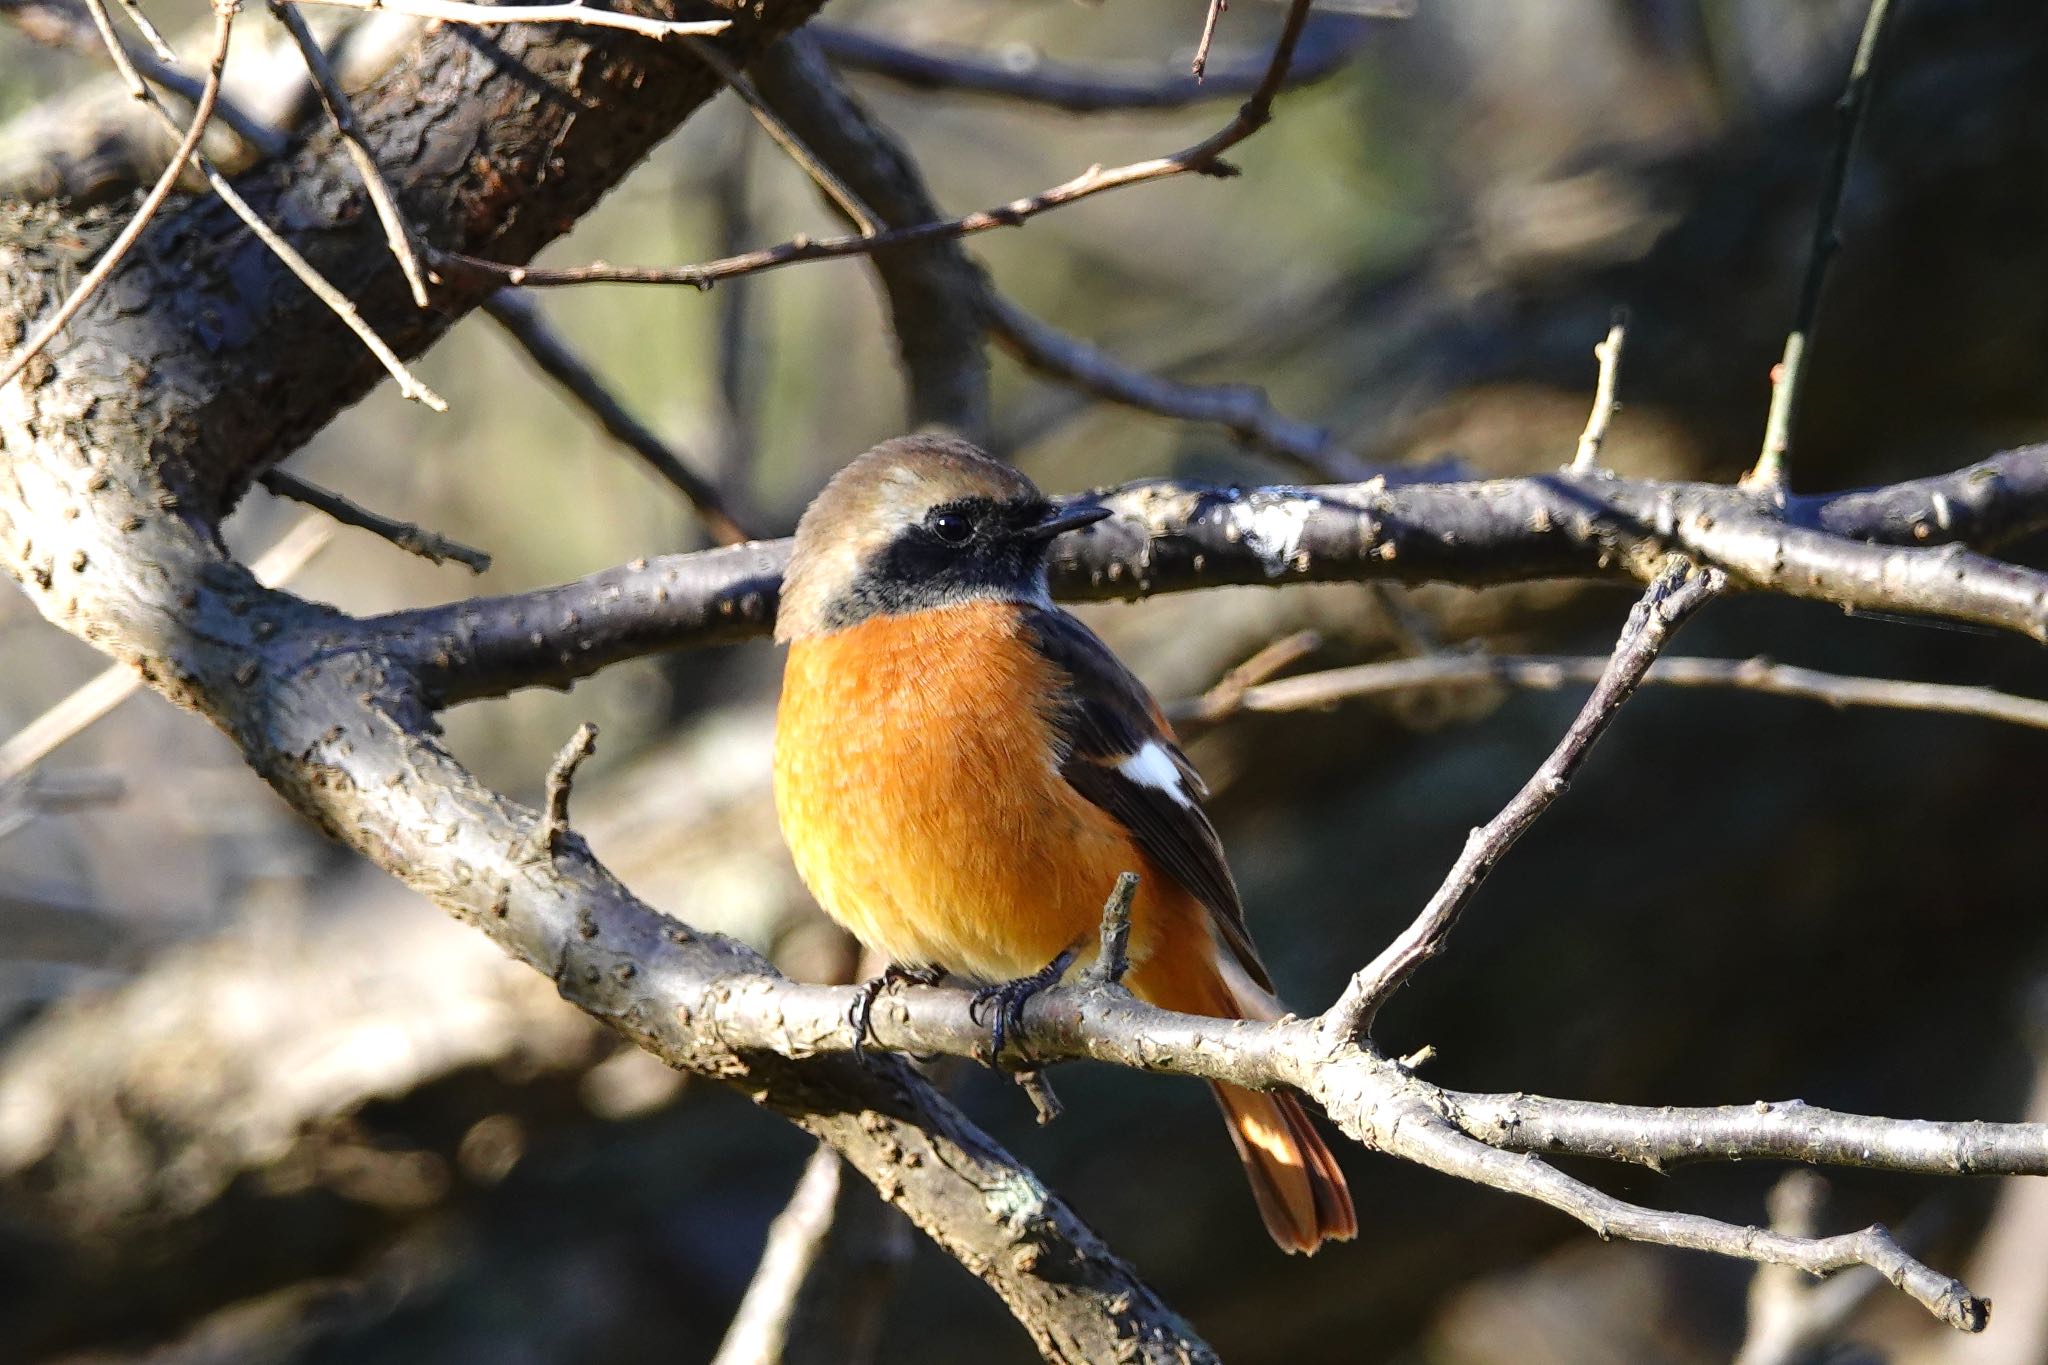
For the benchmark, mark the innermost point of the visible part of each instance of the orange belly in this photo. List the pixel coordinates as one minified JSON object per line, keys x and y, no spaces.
{"x":924,"y":806}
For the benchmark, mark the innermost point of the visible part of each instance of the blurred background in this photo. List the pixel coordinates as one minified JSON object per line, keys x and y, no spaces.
{"x":259,"y":1104}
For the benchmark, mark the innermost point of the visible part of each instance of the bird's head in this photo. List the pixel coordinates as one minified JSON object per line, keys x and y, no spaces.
{"x":919,"y":522}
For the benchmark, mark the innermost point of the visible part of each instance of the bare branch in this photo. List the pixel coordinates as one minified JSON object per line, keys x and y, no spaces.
{"x":1548,"y":672}
{"x":1227,"y":697}
{"x":1112,"y":956}
{"x":522,"y":320}
{"x":1328,"y":43}
{"x":342,"y":114}
{"x":554,"y":822}
{"x":1869,"y":549}
{"x":1680,"y":590}
{"x":796,"y":1239}
{"x":188,"y":147}
{"x":1789,"y":1130}
{"x":1605,"y":399}
{"x":1788,"y":376}
{"x":1209,"y":22}
{"x":1202,"y":158}
{"x":573,"y":12}
{"x":428,"y":545}
{"x":934,"y":290}
{"x":83,"y":706}
{"x":1241,"y":409}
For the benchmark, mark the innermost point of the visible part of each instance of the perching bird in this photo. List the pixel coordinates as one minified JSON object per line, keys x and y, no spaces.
{"x":962,"y":770}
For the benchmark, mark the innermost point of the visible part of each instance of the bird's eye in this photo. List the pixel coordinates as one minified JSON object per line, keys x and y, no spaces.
{"x":951,"y":527}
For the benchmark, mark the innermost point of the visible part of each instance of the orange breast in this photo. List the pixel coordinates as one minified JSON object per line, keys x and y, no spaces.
{"x":917,"y":782}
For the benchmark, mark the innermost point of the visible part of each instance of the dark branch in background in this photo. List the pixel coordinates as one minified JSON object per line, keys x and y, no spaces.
{"x":1328,"y":43}
{"x":932,"y":289}
{"x":428,"y":545}
{"x":1897,"y":548}
{"x":1678,"y":591}
{"x":521,"y":318}
{"x":1788,"y":378}
{"x":1241,"y":409}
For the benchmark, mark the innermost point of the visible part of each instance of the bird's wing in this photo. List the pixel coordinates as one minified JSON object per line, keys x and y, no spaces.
{"x":1120,"y":754}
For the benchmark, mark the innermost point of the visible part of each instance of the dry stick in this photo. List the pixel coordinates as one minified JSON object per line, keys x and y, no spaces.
{"x":1202,"y":158}
{"x":797,"y":1237}
{"x":188,"y":146}
{"x":1327,"y":46}
{"x":553,"y":825}
{"x":408,"y":385}
{"x":1788,"y":376}
{"x":524,"y":323}
{"x":1453,"y":1153}
{"x":1226,"y":698}
{"x":429,"y":545}
{"x":454,"y":11}
{"x":335,"y":100}
{"x":1676,"y":593}
{"x":1209,"y":21}
{"x":38,"y":739}
{"x":1241,"y":409}
{"x":1605,"y":400}
{"x":1548,"y":672}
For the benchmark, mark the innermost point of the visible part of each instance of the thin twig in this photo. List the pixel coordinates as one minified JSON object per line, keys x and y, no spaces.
{"x":553,"y":826}
{"x":1676,"y":593}
{"x":408,"y":384}
{"x":335,"y":100}
{"x":522,"y":320}
{"x":1202,"y":158}
{"x":454,"y":11}
{"x":1241,"y":409}
{"x":1605,"y":400}
{"x":796,"y":1239}
{"x":1226,"y":698}
{"x":1548,"y":672}
{"x":429,"y":545}
{"x":1328,"y":45}
{"x":80,"y":708}
{"x":784,"y":137}
{"x":1209,"y":22}
{"x":1788,"y":376}
{"x":188,"y":147}
{"x":1789,"y":1314}
{"x":1112,"y":958}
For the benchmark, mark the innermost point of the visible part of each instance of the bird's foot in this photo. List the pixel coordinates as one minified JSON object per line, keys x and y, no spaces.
{"x":1004,"y":1002}
{"x":862,"y":1012}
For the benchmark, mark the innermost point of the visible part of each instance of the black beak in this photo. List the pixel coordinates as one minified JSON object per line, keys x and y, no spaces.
{"x":1062,"y":519}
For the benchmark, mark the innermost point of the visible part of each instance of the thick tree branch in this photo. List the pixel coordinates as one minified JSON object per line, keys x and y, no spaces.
{"x":1898,"y":548}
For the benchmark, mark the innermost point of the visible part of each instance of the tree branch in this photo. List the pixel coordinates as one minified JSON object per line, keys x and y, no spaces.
{"x":1678,"y":591}
{"x":1328,"y":43}
{"x":1898,"y":548}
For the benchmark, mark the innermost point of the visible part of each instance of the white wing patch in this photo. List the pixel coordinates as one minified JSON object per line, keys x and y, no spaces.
{"x":1153,"y":767}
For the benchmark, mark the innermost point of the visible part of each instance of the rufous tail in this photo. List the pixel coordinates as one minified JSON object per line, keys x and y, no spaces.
{"x":1300,"y":1192}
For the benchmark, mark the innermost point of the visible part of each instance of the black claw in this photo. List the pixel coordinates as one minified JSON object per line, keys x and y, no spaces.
{"x":1004,"y":1002}
{"x":861,"y":1014}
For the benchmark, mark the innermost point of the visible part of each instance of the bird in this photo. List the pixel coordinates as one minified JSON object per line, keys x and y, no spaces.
{"x":962,"y":770}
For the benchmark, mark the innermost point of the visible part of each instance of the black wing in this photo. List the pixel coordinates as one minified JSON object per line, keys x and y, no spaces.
{"x":1121,"y":755}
